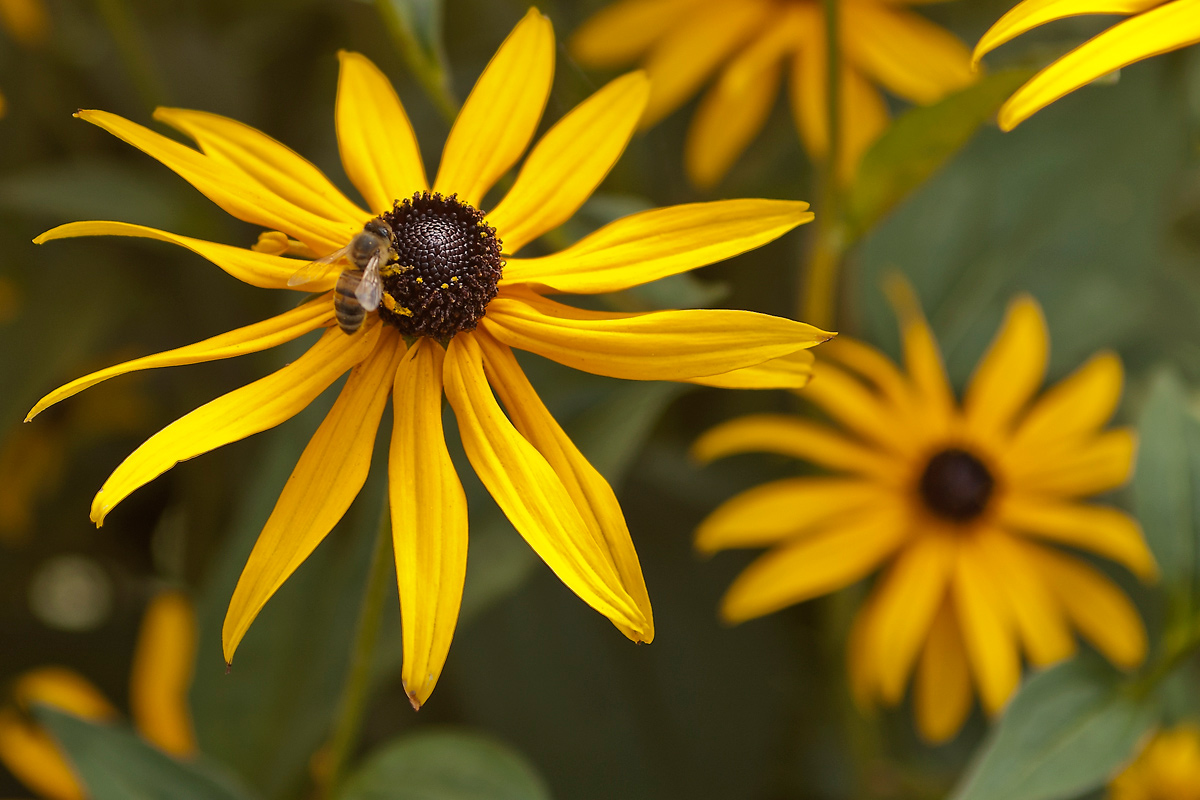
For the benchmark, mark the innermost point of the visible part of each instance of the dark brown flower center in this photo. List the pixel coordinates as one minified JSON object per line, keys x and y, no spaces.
{"x":956,"y":485}
{"x":445,"y":270}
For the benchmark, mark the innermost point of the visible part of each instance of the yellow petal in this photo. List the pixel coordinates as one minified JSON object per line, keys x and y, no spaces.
{"x":821,"y":562}
{"x":429,"y":520}
{"x":875,"y":367}
{"x":330,"y":472}
{"x":660,"y":345}
{"x":257,"y":269}
{"x":621,"y":32}
{"x":379,"y":149}
{"x":653,"y":244}
{"x":227,"y":186}
{"x":942,"y":692}
{"x":262,"y":335}
{"x":1010,"y":373}
{"x":501,"y":113}
{"x":569,"y":162}
{"x":798,"y":438}
{"x":593,"y":497}
{"x":792,"y":371}
{"x":241,"y":413}
{"x":845,"y":399}
{"x":277,"y":167}
{"x":27,"y":21}
{"x":1095,"y":465}
{"x":987,"y":628}
{"x":1073,"y":408}
{"x":33,"y":758}
{"x":767,"y":514}
{"x":1157,"y":31}
{"x":1095,"y":604}
{"x":1106,"y":531}
{"x":923,"y":359}
{"x":529,"y":492}
{"x":162,"y":674}
{"x":1032,"y":13}
{"x":63,"y":689}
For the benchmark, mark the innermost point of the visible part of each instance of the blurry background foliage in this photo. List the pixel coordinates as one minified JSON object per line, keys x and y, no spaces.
{"x":1093,"y":206}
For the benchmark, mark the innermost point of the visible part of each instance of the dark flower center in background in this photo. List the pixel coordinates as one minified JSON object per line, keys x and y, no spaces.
{"x":956,"y":485}
{"x":446,"y":267}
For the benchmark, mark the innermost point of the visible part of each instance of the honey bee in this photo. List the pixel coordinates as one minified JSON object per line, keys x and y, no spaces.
{"x":358,"y":289}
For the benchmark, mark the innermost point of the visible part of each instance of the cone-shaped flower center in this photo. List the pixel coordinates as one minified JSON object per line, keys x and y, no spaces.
{"x":445,"y":270}
{"x":956,"y":485}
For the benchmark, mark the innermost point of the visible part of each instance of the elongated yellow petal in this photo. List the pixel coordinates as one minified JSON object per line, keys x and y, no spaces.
{"x":798,"y":438}
{"x":330,"y":472}
{"x":162,"y":674}
{"x":942,"y":693}
{"x":283,"y":171}
{"x":250,"y":339}
{"x":379,"y":149}
{"x":922,"y":357}
{"x":772,"y":512}
{"x":593,"y":497}
{"x":64,"y":689}
{"x":987,"y":628}
{"x":227,"y":186}
{"x":873,"y":365}
{"x":653,"y":244}
{"x":257,"y":269}
{"x":660,"y":345}
{"x":529,"y":492}
{"x":570,"y":161}
{"x":1095,"y":604}
{"x":792,"y":371}
{"x":502,"y":112}
{"x":618,"y":33}
{"x":1032,"y":13}
{"x":241,"y":413}
{"x":1075,"y":407}
{"x":1010,"y":373}
{"x":1089,"y":467}
{"x":1154,"y":32}
{"x":848,"y":401}
{"x":429,"y":520}
{"x":33,"y":757}
{"x":816,"y":564}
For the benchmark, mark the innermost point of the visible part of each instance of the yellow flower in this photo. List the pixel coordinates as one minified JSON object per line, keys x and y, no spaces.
{"x":159,"y":683}
{"x":1168,"y":769}
{"x":959,"y":503}
{"x":440,"y":284}
{"x":1156,"y":27}
{"x":683,"y":42}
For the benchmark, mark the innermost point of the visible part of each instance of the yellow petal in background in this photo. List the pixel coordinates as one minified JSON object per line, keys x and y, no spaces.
{"x":654,"y":244}
{"x":332,"y":469}
{"x":1032,"y":13}
{"x":987,"y":628}
{"x":33,"y":757}
{"x":1074,"y":407}
{"x":1010,"y":373}
{"x":942,"y":691}
{"x":162,"y":674}
{"x":1105,"y":531}
{"x":1092,"y":466}
{"x":375,"y":138}
{"x":63,"y":689}
{"x":429,"y":520}
{"x":502,"y":112}
{"x":847,"y":400}
{"x":620,"y":32}
{"x":792,"y":371}
{"x":922,"y":357}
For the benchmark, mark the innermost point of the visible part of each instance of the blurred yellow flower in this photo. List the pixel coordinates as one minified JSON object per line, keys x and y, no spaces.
{"x":159,"y":683}
{"x":25,"y":20}
{"x":1167,"y":769}
{"x":682,"y":43}
{"x":1156,"y":27}
{"x":454,"y":301}
{"x":958,"y":502}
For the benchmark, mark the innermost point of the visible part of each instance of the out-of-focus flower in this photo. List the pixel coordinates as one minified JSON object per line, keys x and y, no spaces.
{"x":1155,"y":27}
{"x":959,"y":503}
{"x":1167,"y":769}
{"x":454,"y":300}
{"x":682,"y":43}
{"x":159,"y":683}
{"x":25,"y":21}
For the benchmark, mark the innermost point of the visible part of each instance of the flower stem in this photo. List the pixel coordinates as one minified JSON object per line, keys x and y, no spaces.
{"x":358,"y":679}
{"x":132,"y":49}
{"x":425,"y":63}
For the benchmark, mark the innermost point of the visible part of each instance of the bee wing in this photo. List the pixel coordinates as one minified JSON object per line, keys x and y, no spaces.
{"x":315,"y":270}
{"x":370,"y":288}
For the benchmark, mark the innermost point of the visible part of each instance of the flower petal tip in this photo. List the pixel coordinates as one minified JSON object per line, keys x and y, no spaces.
{"x":413,"y":701}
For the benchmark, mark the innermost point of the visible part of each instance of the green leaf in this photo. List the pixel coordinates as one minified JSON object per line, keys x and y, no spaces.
{"x":1066,"y":732}
{"x":919,"y":142}
{"x":446,"y":765}
{"x":416,"y":28}
{"x":115,"y":764}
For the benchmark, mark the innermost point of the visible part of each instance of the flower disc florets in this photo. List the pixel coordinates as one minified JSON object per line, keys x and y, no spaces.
{"x":956,"y":485}
{"x":445,"y":270}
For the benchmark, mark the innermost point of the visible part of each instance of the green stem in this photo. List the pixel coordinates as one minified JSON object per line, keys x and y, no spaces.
{"x":1177,"y":649}
{"x":358,"y":681}
{"x":429,"y":71}
{"x":133,"y":51}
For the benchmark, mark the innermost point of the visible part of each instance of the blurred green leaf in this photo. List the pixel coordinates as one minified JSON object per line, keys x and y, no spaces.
{"x":115,"y":764}
{"x":919,"y":142}
{"x":445,"y":765}
{"x":416,"y":28}
{"x":1067,"y":731}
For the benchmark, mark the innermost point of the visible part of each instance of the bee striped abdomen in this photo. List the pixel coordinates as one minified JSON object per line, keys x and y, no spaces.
{"x":346,"y":308}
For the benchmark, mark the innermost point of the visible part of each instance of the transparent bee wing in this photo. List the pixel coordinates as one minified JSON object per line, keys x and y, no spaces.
{"x":370,"y":288}
{"x":315,"y":270}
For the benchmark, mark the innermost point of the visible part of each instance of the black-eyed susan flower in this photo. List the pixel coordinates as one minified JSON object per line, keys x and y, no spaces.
{"x":158,"y":697}
{"x":1154,"y":27}
{"x":962,"y":507}
{"x":752,"y":43}
{"x":454,"y":303}
{"x":1167,"y":769}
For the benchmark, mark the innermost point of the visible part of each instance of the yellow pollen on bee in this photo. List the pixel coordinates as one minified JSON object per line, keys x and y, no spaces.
{"x":391,"y":305}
